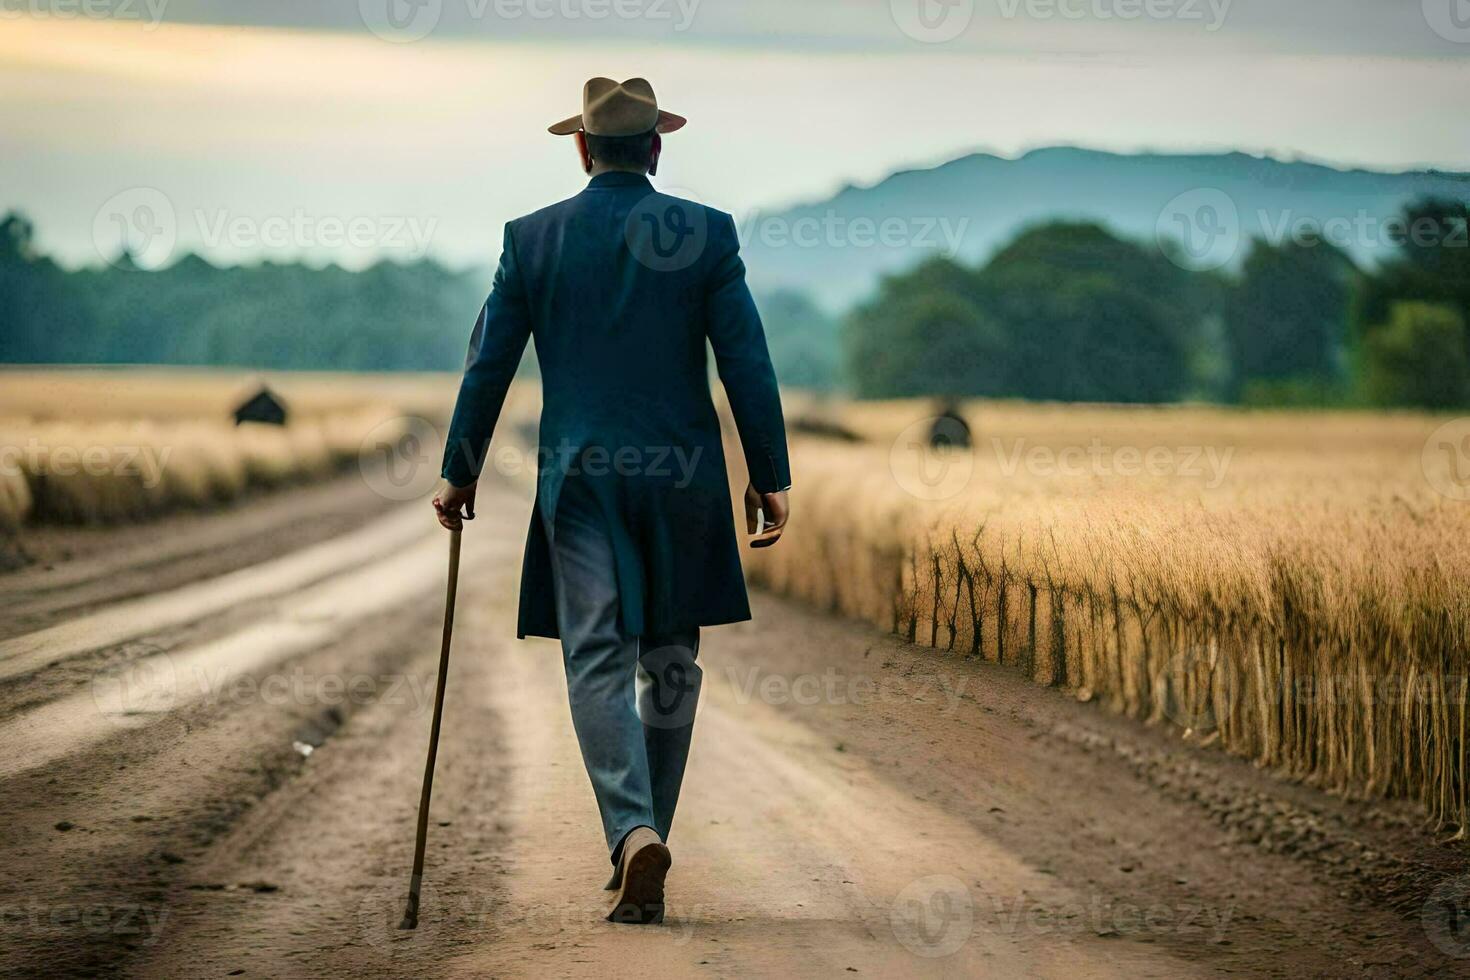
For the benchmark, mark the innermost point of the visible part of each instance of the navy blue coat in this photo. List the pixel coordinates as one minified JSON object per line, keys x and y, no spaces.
{"x":620,"y":287}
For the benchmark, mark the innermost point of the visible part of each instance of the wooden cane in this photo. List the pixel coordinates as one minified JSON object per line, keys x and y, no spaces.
{"x":411,"y":912}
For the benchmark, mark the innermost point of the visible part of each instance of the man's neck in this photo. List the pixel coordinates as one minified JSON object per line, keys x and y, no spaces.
{"x":598,"y":170}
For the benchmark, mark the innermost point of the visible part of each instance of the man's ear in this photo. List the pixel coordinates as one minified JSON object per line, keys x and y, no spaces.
{"x":581,"y":138}
{"x":658,"y":147}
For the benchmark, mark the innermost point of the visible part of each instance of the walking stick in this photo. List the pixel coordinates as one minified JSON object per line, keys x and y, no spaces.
{"x":411,"y":912}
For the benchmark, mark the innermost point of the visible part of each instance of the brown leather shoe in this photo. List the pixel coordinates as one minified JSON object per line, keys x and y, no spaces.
{"x":644,"y":865}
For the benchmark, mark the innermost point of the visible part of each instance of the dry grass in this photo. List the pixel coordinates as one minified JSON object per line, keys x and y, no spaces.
{"x":1304,"y":605}
{"x":108,"y":445}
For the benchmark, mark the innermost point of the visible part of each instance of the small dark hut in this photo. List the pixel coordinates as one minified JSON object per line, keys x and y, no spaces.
{"x":949,"y":428}
{"x":264,"y":407}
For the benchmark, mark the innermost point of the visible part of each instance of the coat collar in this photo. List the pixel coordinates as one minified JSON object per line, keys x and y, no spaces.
{"x":618,"y":178}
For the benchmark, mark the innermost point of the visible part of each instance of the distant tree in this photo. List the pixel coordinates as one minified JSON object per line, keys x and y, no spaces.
{"x":1066,"y":312}
{"x":1417,"y":358}
{"x":1432,"y":265}
{"x":40,"y":317}
{"x":907,"y":343}
{"x":803,"y":340}
{"x":275,"y":315}
{"x":1091,"y":317}
{"x":1086,"y":338}
{"x":1286,"y":317}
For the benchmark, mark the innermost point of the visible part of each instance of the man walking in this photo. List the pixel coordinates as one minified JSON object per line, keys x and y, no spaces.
{"x":631,"y":547}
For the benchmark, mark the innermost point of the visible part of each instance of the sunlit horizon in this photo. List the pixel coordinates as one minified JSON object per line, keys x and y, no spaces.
{"x":276,"y":122}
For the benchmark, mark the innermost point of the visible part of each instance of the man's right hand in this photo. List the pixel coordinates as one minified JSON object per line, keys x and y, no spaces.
{"x":447,"y":504}
{"x":777,"y":507}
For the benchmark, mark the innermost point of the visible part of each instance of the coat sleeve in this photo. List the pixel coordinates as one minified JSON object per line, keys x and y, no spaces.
{"x":496,"y":346}
{"x":744,"y":364}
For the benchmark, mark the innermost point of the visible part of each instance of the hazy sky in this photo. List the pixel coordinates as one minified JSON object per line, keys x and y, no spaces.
{"x":336,"y":130}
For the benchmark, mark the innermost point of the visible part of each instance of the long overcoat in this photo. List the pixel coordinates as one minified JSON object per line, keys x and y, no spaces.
{"x":620,"y":287}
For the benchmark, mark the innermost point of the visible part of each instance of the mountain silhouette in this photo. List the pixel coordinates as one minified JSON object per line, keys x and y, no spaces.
{"x":836,"y":250}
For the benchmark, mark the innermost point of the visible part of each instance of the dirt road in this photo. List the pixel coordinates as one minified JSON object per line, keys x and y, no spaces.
{"x":213,"y":735}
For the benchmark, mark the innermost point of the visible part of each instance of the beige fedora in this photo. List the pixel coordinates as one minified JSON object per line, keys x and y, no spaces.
{"x":610,"y":108}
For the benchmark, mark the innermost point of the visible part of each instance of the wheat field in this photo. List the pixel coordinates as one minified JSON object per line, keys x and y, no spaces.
{"x":1291,"y":586}
{"x":95,"y":446}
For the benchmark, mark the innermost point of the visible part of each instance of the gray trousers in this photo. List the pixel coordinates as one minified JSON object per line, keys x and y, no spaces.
{"x":633,"y":698}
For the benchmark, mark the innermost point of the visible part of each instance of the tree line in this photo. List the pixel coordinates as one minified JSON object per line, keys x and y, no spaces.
{"x":1071,"y":312}
{"x":1067,"y":311}
{"x":273,"y":315}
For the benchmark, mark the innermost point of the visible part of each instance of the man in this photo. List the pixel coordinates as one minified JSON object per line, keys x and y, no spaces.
{"x":631,"y":547}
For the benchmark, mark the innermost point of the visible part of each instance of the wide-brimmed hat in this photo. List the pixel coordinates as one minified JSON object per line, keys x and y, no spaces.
{"x":611,"y":108}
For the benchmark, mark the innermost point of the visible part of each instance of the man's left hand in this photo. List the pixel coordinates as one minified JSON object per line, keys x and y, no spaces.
{"x":449,"y":501}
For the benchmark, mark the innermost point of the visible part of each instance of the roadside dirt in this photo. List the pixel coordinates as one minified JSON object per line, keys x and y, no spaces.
{"x":854,"y":805}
